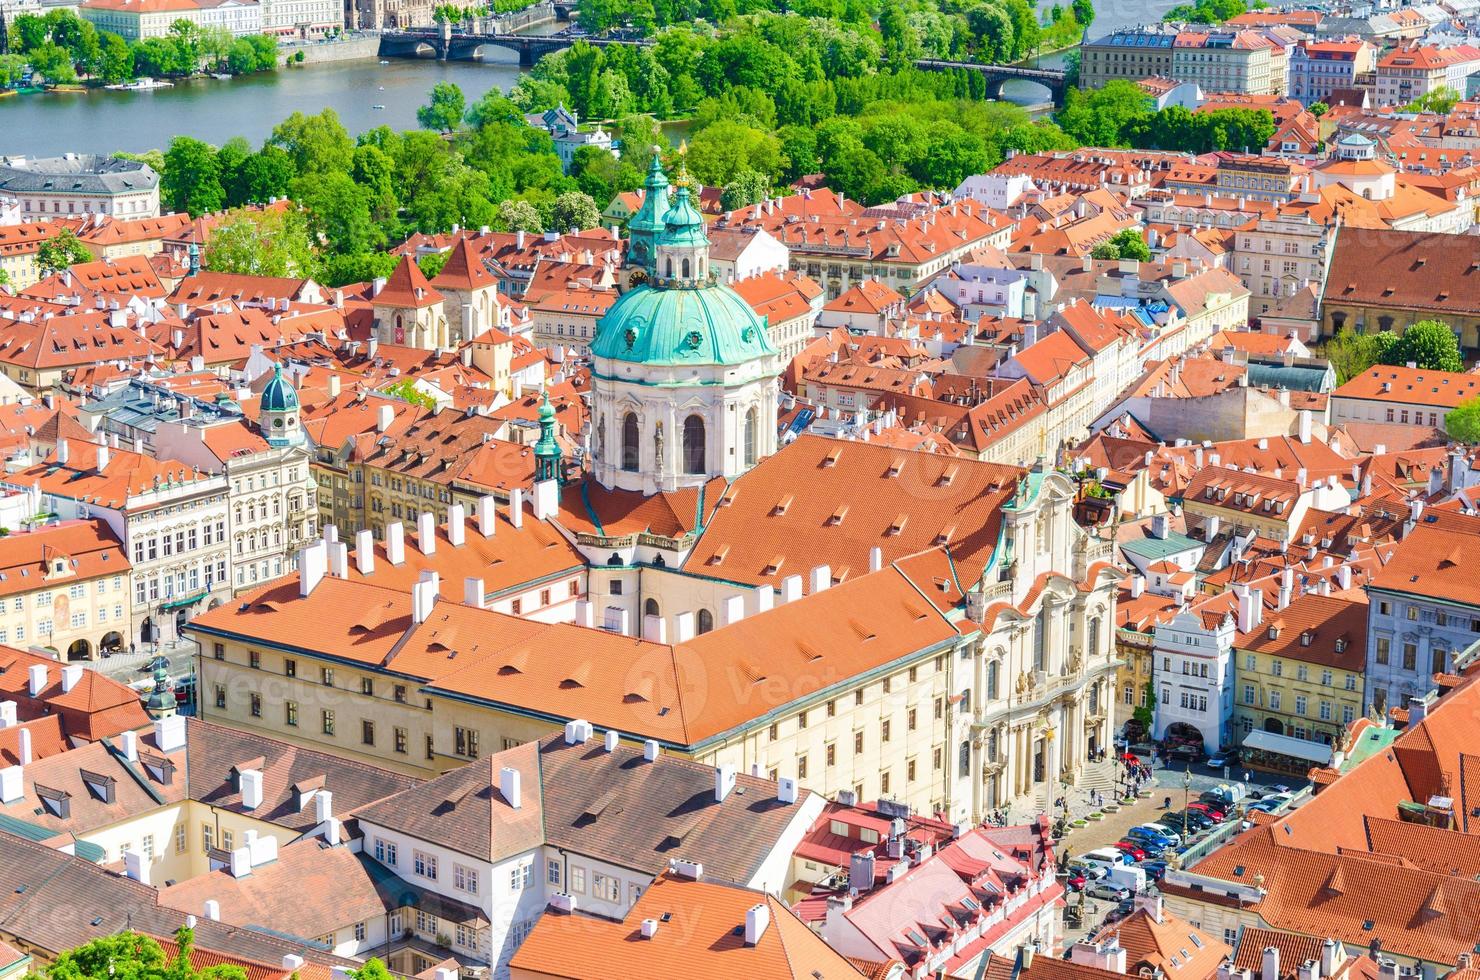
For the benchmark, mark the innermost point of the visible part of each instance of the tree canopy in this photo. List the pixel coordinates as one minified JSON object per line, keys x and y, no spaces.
{"x":1462,"y":424}
{"x":1429,"y":344}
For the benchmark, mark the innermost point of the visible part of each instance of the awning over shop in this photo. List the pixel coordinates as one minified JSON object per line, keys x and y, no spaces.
{"x":189,"y":600}
{"x":1299,"y":748}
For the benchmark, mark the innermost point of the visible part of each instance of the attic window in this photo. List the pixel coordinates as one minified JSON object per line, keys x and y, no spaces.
{"x":58,"y":802}
{"x":944,"y":535}
{"x":949,"y":476}
{"x":838,"y":515}
{"x":1274,"y":632}
{"x":718,"y":557}
{"x":895,"y":468}
{"x":831,"y":459}
{"x":782,"y":505}
{"x":1340,"y":644}
{"x":1306,"y":637}
{"x":898,"y":526}
{"x":100,"y":786}
{"x":774,"y":565}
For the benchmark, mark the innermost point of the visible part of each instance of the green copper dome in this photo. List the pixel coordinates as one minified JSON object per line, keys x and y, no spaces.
{"x":683,"y":225}
{"x":707,"y":324}
{"x":279,"y":395}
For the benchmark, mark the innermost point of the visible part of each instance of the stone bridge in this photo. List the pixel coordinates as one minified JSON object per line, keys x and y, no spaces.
{"x":451,"y":45}
{"x":1056,"y":82}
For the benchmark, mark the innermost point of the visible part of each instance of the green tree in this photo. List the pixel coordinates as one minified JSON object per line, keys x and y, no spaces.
{"x":494,"y":107}
{"x":191,"y":181}
{"x":115,"y":60}
{"x":1462,"y":424}
{"x":748,"y":187}
{"x":1441,"y":100}
{"x":1319,"y":109}
{"x":317,"y":144}
{"x":1146,"y":713}
{"x":520,"y":216}
{"x":261,"y":177}
{"x":342,"y":270}
{"x":444,"y":112}
{"x":1430,"y":344}
{"x":339,"y":216}
{"x":406,"y":390}
{"x":1352,"y":353}
{"x":61,"y":251}
{"x":54,"y":62}
{"x":1124,"y":244}
{"x":574,"y":209}
{"x":270,"y":242}
{"x":725,"y":148}
{"x":1084,"y":12}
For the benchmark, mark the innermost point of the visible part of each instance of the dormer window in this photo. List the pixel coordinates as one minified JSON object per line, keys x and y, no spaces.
{"x":1306,"y":638}
{"x":1274,"y":632}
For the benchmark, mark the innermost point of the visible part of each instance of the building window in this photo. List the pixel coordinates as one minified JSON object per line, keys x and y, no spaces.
{"x":290,"y":667}
{"x":207,"y":837}
{"x":606,"y":887}
{"x":693,"y":445}
{"x":466,"y":742}
{"x":256,"y":705}
{"x":631,"y":451}
{"x":705,"y":621}
{"x":367,"y":732}
{"x":751,"y":431}
{"x":328,"y":720}
{"x":466,"y":879}
{"x":385,"y":852}
{"x":290,"y":713}
{"x":221,"y":696}
{"x":400,"y":741}
{"x":424,"y":864}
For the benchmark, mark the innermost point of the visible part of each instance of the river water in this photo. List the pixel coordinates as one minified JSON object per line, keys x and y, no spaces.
{"x":250,"y":106}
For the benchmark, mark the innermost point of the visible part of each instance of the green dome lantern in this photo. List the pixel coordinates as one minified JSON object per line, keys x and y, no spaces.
{"x":547,"y":450}
{"x":278,"y":411}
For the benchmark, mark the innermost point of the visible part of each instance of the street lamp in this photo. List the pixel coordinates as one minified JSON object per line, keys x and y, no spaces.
{"x":1186,"y":789}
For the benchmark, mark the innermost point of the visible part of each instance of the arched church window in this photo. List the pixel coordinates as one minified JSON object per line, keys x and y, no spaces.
{"x":669,"y":268}
{"x":751,"y":426}
{"x":630,"y":449}
{"x":685,"y":268}
{"x":693,"y":444}
{"x":650,"y":608}
{"x":706,"y":621}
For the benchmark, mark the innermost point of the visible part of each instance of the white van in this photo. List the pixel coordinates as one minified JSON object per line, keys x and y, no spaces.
{"x":1104,"y":857}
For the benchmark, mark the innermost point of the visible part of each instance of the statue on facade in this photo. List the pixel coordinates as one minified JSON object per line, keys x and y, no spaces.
{"x":658,"y":446}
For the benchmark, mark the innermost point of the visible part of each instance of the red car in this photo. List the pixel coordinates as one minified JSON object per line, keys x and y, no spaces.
{"x":1211,"y":812}
{"x":1074,"y":883}
{"x":1131,"y":848}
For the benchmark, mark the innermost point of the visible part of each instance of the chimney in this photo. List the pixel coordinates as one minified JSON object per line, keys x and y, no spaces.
{"x":384,"y":417}
{"x":1331,"y":957}
{"x":323,"y":802}
{"x":37,"y":678}
{"x":365,"y":551}
{"x":426,"y":532}
{"x":508,"y":786}
{"x":457,"y":525}
{"x":821,"y":577}
{"x":102,"y":458}
{"x":683,"y":626}
{"x":791,"y":588}
{"x":423,"y":598}
{"x":473,"y":592}
{"x":12,"y":786}
{"x":339,"y":559}
{"x":1025,"y":957}
{"x":487,"y":516}
{"x":1159,"y":527}
{"x":1250,"y":607}
{"x":1344,"y":577}
{"x":313,"y":563}
{"x":516,"y":507}
{"x":169,"y":733}
{"x":649,"y":928}
{"x":577,"y":731}
{"x":1105,"y":955}
{"x":1210,"y":528}
{"x":23,"y":746}
{"x":250,"y":783}
{"x":129,"y":746}
{"x":1271,"y":970}
{"x":611,"y":740}
{"x":63,"y":452}
{"x":724,"y":782}
{"x":212,"y":910}
{"x":7,"y":714}
{"x":1138,"y":586}
{"x":691,"y":870}
{"x":875,"y":558}
{"x":786,"y":790}
{"x":395,"y":543}
{"x":651,"y":750}
{"x":654,"y":628}
{"x":757,"y":918}
{"x":70,"y":676}
{"x":765,"y":598}
{"x":585,"y":614}
{"x":1152,"y":905}
{"x":333,"y":385}
{"x":1418,"y":709}
{"x":291,"y":962}
{"x":732,"y":610}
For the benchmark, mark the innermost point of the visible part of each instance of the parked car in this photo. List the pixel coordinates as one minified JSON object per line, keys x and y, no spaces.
{"x":1211,"y":812}
{"x":1075,"y":882}
{"x":1093,"y":872}
{"x":1196,"y":820}
{"x":1131,"y":850}
{"x":1168,"y":834}
{"x":1155,"y":870}
{"x":1105,"y":889}
{"x":1227,"y":757}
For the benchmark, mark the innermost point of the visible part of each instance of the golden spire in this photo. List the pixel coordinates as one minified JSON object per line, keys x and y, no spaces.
{"x":682,"y":179}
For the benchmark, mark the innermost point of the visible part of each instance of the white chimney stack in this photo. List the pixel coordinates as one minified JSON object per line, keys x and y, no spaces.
{"x":323,"y":802}
{"x":875,"y":558}
{"x":12,"y":786}
{"x":7,"y":714}
{"x":129,"y":746}
{"x":585,"y":614}
{"x":395,"y":543}
{"x":786,"y":789}
{"x":212,"y":910}
{"x":791,"y":588}
{"x":765,"y":598}
{"x":683,"y":626}
{"x":426,"y":532}
{"x":732,"y":609}
{"x":508,"y":785}
{"x":577,"y":731}
{"x":169,"y":733}
{"x":313,"y":563}
{"x":487,"y":516}
{"x":384,"y":418}
{"x":1271,"y":969}
{"x":516,"y":507}
{"x":546,"y":500}
{"x":611,"y":740}
{"x":37,"y":678}
{"x":651,"y":750}
{"x":71,"y":674}
{"x":724,"y":782}
{"x":757,"y":918}
{"x":64,"y":453}
{"x":473,"y":592}
{"x":654,"y":628}
{"x":291,"y":962}
{"x":250,"y":783}
{"x":365,"y":551}
{"x":23,"y":746}
{"x":457,"y":525}
{"x":338,"y":559}
{"x":821,"y":578}
{"x":649,"y":928}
